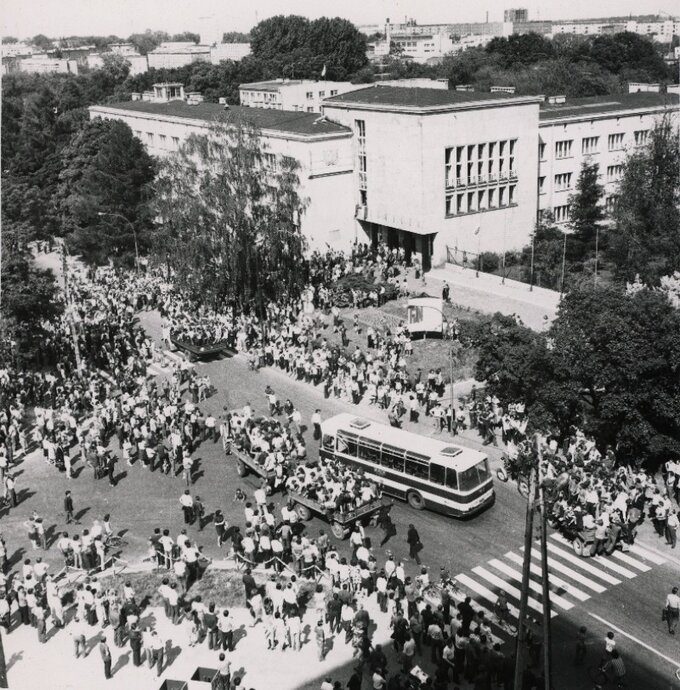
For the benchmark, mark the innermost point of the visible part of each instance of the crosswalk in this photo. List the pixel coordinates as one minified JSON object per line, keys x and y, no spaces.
{"x":573,"y":579}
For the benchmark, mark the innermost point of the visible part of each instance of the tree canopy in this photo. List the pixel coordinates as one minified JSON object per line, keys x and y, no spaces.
{"x":229,"y":215}
{"x":106,"y":170}
{"x":646,"y":239}
{"x":586,"y":212}
{"x":610,"y":364}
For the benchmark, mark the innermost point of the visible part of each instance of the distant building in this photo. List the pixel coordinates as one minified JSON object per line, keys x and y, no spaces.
{"x":177,"y":54}
{"x":43,"y":64}
{"x":415,"y":83}
{"x":516,"y":15}
{"x":124,"y":49}
{"x":17,"y":50}
{"x":139,"y":64}
{"x":299,"y":95}
{"x":229,"y":51}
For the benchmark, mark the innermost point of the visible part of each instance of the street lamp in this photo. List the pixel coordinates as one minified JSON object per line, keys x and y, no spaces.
{"x":531,"y":270}
{"x":564,"y":263}
{"x":132,"y":227}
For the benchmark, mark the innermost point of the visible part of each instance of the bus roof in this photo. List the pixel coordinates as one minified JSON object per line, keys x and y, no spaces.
{"x":448,"y":454}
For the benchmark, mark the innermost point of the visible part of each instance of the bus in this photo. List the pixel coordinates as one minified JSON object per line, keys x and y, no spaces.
{"x":425,"y":472}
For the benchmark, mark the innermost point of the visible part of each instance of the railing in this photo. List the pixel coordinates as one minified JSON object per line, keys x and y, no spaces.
{"x":492,"y":177}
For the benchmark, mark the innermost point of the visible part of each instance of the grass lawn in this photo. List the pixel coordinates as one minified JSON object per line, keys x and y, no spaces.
{"x":432,"y":353}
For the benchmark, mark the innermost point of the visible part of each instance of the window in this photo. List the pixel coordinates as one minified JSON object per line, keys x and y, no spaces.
{"x":511,"y":194}
{"x":501,"y":197}
{"x":562,"y":182}
{"x":138,"y":134}
{"x":541,"y":151}
{"x":417,"y":465}
{"x":334,"y":92}
{"x":589,"y":145}
{"x":614,"y":173}
{"x":460,"y":203}
{"x":471,"y":198}
{"x":610,"y":203}
{"x":322,"y":94}
{"x":561,"y":213}
{"x":481,"y":199}
{"x":451,"y":478}
{"x":615,"y":142}
{"x":541,"y":184}
{"x":641,"y":137}
{"x":310,"y":95}
{"x":347,"y":443}
{"x":473,"y":477}
{"x":369,"y":450}
{"x":392,"y":458}
{"x":563,"y":148}
{"x":492,"y":198}
{"x":448,"y":168}
{"x":450,"y":209}
{"x":270,"y":162}
{"x":360,"y":126}
{"x":310,"y":109}
{"x":437,"y":474}
{"x":162,"y":139}
{"x":175,"y":142}
{"x":149,"y":136}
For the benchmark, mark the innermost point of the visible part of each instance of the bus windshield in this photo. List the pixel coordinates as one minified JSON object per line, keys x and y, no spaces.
{"x":474,"y":476}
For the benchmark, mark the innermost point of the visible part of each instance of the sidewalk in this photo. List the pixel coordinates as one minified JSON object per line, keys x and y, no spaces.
{"x":486,"y":293}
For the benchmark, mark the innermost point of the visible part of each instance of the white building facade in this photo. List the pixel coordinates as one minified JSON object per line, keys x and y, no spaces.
{"x":596,"y":130}
{"x":229,"y":51}
{"x":177,"y":54}
{"x":298,"y":95}
{"x":323,"y":150}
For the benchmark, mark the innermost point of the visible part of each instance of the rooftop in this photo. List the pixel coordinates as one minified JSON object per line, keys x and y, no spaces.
{"x":272,"y":84}
{"x":419,"y":99}
{"x":596,"y":105}
{"x":308,"y":124}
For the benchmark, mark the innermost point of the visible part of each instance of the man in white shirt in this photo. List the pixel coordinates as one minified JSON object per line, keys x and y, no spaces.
{"x":672,"y":610}
{"x":187,"y":504}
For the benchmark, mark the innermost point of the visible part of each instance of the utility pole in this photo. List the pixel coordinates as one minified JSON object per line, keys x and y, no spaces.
{"x":545,"y":584}
{"x":521,"y":648}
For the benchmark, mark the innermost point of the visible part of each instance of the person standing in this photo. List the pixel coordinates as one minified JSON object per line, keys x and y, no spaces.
{"x":414,"y":544}
{"x":672,"y":610}
{"x":187,"y":504}
{"x":672,"y":528}
{"x":316,"y":425}
{"x":157,"y":648}
{"x":68,"y":507}
{"x":135,"y":637}
{"x":106,"y":657}
{"x":320,"y":637}
{"x":581,"y":642}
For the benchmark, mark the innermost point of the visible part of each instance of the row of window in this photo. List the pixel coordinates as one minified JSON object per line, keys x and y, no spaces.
{"x":561,"y":213}
{"x":478,"y":200}
{"x":322,"y":94}
{"x":483,"y":163}
{"x":563,"y":181}
{"x":590,"y":145}
{"x":163,"y":140}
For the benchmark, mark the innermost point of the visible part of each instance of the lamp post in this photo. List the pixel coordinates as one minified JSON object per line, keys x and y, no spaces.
{"x":479,"y":253}
{"x":564,"y":263}
{"x":531,"y":273}
{"x":132,"y":227}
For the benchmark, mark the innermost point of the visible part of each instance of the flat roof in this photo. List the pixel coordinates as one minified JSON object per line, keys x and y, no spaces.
{"x":285,"y":121}
{"x":270,"y":85}
{"x":424,"y":445}
{"x":378,"y":96}
{"x":597,"y":105}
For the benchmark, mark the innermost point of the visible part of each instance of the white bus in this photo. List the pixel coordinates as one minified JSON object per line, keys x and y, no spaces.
{"x":425,"y":472}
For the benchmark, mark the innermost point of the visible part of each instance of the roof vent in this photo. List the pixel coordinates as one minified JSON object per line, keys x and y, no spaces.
{"x":358,"y":423}
{"x":464,"y":87}
{"x":451,"y":451}
{"x":556,"y":100}
{"x":222,"y":100}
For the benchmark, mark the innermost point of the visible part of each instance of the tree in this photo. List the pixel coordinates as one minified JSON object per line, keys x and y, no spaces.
{"x":148,"y":41}
{"x":186,"y":36}
{"x":235,"y":37}
{"x":106,"y":170}
{"x":522,"y":49}
{"x":625,"y":51}
{"x":29,"y":298}
{"x":229,"y":216}
{"x":646,"y":239}
{"x":586,"y":212}
{"x":41,"y":41}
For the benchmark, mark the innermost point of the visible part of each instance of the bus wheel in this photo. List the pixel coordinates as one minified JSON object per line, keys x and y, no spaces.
{"x":241,"y":469}
{"x":523,"y":487}
{"x":338,"y":530}
{"x":502,"y":474}
{"x":304,"y":513}
{"x":415,"y":500}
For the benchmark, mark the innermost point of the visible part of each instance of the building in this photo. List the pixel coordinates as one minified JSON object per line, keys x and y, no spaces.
{"x":423,"y":48}
{"x":299,"y":95}
{"x":177,"y":54}
{"x":516,"y":15}
{"x":588,"y":27}
{"x":18,"y":49}
{"x":43,"y":64}
{"x":416,"y":83}
{"x":139,"y":64}
{"x":462,"y":176}
{"x":322,"y":148}
{"x":229,"y":51}
{"x":600,"y":129}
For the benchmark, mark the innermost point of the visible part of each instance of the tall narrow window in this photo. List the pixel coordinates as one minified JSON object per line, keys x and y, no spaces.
{"x":362,"y":162}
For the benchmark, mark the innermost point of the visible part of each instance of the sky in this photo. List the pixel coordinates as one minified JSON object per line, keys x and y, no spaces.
{"x":57,"y":18}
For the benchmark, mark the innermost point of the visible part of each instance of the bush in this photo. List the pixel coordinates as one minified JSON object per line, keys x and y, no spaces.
{"x":490,"y":262}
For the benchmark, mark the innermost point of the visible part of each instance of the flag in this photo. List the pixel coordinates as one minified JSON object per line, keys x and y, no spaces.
{"x":323,"y":72}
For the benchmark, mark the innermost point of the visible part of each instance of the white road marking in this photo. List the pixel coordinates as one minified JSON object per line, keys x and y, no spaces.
{"x":580,"y":562}
{"x":512,"y":591}
{"x":537,"y":570}
{"x":631,"y":561}
{"x":603,"y":561}
{"x":517,"y":576}
{"x":648,"y":553}
{"x":484,"y":592}
{"x":555,"y":564}
{"x":673,"y":662}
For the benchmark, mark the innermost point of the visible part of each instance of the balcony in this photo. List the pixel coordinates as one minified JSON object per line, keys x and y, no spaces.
{"x":361,"y":212}
{"x":513,"y":174}
{"x":461,"y":182}
{"x":502,"y":176}
{"x":493,"y":177}
{"x":481,"y":179}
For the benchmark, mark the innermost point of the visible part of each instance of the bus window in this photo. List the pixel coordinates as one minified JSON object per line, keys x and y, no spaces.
{"x":451,"y":478}
{"x":437,"y":474}
{"x":417,"y":468}
{"x":392,"y":458}
{"x":369,"y":450}
{"x":474,"y":476}
{"x":347,"y":444}
{"x":329,"y":442}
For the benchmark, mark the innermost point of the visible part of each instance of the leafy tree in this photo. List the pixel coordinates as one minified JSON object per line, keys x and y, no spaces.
{"x":235,"y":37}
{"x":29,"y":298}
{"x":148,"y":41}
{"x":41,"y":41}
{"x":520,"y":49}
{"x":229,"y":217}
{"x":587,"y":212}
{"x":646,"y":239}
{"x":10,"y":40}
{"x":186,"y":36}
{"x":548,"y":250}
{"x":106,"y":170}
{"x":625,"y":51}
